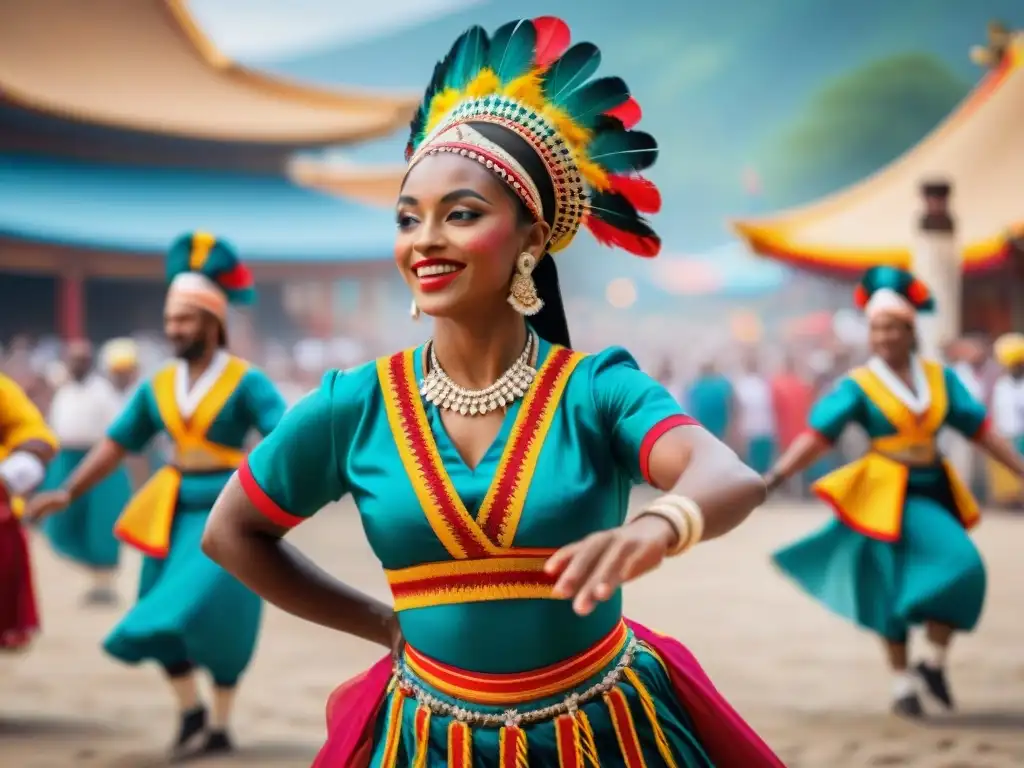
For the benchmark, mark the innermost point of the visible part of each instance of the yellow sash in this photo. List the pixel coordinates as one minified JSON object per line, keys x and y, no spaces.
{"x":146,"y":522}
{"x":869,"y":494}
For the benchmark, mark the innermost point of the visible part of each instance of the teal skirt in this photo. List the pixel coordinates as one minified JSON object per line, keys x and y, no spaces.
{"x":84,"y":532}
{"x":629,"y":726}
{"x":932,"y":573}
{"x":189,"y":611}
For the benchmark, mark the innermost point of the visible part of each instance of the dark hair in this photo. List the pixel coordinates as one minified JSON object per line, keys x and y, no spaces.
{"x":550,"y":323}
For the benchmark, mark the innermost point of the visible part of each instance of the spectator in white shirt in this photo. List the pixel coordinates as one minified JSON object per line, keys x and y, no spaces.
{"x":82,"y":409}
{"x":756,"y":416}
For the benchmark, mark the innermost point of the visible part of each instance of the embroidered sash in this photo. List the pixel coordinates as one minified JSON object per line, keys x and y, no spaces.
{"x":146,"y":522}
{"x":869,"y":494}
{"x":493,"y":529}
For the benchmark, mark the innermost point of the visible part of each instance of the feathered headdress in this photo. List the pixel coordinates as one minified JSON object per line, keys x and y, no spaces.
{"x":214,"y":259}
{"x":890,"y":289}
{"x":528,"y":79}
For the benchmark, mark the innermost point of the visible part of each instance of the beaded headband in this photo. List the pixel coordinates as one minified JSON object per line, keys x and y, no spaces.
{"x":527,"y":79}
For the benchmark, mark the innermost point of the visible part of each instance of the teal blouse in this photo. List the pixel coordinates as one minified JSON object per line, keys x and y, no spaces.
{"x":847,"y":404}
{"x":338,"y":441}
{"x":255,"y":404}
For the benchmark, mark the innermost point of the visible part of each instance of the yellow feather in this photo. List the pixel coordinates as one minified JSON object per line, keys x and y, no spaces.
{"x":574,"y":133}
{"x":442,"y":103}
{"x":527,"y":90}
{"x":484,"y":84}
{"x":593,"y":173}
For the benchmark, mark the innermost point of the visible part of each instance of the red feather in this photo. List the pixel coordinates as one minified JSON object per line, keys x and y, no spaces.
{"x":238,"y":278}
{"x":628,"y":112}
{"x":640,"y":192}
{"x":606,"y":234}
{"x":860,"y":297}
{"x":552,"y":39}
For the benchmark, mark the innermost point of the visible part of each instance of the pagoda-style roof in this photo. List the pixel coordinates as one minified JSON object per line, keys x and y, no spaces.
{"x":373,"y":185}
{"x":120,"y":208}
{"x":979,"y":149}
{"x":145,"y":65}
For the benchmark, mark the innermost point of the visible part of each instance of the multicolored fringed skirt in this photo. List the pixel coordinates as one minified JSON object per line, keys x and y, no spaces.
{"x":633,"y":699}
{"x":19,"y":617}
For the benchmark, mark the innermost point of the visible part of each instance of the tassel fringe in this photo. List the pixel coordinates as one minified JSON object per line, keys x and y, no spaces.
{"x":422,"y":737}
{"x":460,"y":745}
{"x":647,"y":701}
{"x":512,"y":748}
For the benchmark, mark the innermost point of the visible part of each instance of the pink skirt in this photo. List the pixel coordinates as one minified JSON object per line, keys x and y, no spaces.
{"x":353,"y":708}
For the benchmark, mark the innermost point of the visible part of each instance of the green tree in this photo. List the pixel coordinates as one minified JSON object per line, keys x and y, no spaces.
{"x":859,"y":123}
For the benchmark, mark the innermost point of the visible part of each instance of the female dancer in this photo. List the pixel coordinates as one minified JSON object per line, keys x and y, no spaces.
{"x":492,"y":466}
{"x":898,"y":553}
{"x":26,"y":446}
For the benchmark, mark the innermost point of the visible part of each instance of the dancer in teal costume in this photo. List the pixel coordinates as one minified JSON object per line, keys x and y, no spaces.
{"x":190,"y":614}
{"x":898,"y":554}
{"x":82,"y":409}
{"x":497,"y":505}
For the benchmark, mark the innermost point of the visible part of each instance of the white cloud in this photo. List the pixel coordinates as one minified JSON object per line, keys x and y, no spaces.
{"x":268,"y":30}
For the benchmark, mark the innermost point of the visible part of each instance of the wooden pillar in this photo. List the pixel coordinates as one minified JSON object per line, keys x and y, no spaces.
{"x":71,"y":305}
{"x":938,"y":263}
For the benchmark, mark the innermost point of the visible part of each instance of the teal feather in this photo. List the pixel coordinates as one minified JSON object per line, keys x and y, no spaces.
{"x":585,"y":105}
{"x":241,"y":297}
{"x":570,"y":71}
{"x":467,"y":57}
{"x":177,"y":259}
{"x":623,"y":151}
{"x":512,"y":50}
{"x":895,"y":279}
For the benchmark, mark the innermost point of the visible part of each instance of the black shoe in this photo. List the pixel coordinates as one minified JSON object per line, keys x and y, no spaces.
{"x":193,"y":725}
{"x":935,"y":680}
{"x":908,"y":706}
{"x":217,"y":743}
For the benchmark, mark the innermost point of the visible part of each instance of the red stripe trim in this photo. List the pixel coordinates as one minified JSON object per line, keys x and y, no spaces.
{"x":512,"y":469}
{"x":520,"y":682}
{"x":625,"y":728}
{"x":986,"y":425}
{"x":426,"y":460}
{"x":441,"y":583}
{"x":654,"y":434}
{"x":566,"y":739}
{"x":849,"y":522}
{"x":269,"y":508}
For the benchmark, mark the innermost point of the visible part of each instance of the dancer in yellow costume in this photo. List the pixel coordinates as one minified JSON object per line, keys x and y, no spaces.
{"x":26,"y":446}
{"x":898,"y":552}
{"x":191,"y":614}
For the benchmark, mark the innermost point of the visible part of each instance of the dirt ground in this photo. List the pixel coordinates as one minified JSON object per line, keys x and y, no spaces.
{"x":815,"y":688}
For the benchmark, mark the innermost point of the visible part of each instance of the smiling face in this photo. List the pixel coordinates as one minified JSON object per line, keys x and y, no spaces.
{"x":891,"y":338}
{"x":460,"y":231}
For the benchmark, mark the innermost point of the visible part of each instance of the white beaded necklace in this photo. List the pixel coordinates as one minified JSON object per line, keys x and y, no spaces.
{"x":439,"y":390}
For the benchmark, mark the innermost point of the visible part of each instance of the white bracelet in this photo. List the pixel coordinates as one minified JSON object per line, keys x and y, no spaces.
{"x":684,"y":515}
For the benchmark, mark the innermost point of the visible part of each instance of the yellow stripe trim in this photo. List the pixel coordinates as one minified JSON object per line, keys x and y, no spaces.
{"x":424,"y":494}
{"x":393,"y":734}
{"x":526,"y":471}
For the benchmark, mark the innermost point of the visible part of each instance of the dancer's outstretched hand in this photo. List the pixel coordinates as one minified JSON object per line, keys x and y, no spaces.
{"x":589,"y":571}
{"x":42,"y":505}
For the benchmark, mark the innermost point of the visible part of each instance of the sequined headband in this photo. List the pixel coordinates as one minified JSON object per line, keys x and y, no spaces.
{"x":456,"y":136}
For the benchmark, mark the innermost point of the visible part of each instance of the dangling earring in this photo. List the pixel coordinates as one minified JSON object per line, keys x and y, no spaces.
{"x":414,"y":310}
{"x":523,"y":292}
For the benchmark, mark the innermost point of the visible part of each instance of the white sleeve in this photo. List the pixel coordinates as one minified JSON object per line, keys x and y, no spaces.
{"x":1003,"y":405}
{"x":22,"y":472}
